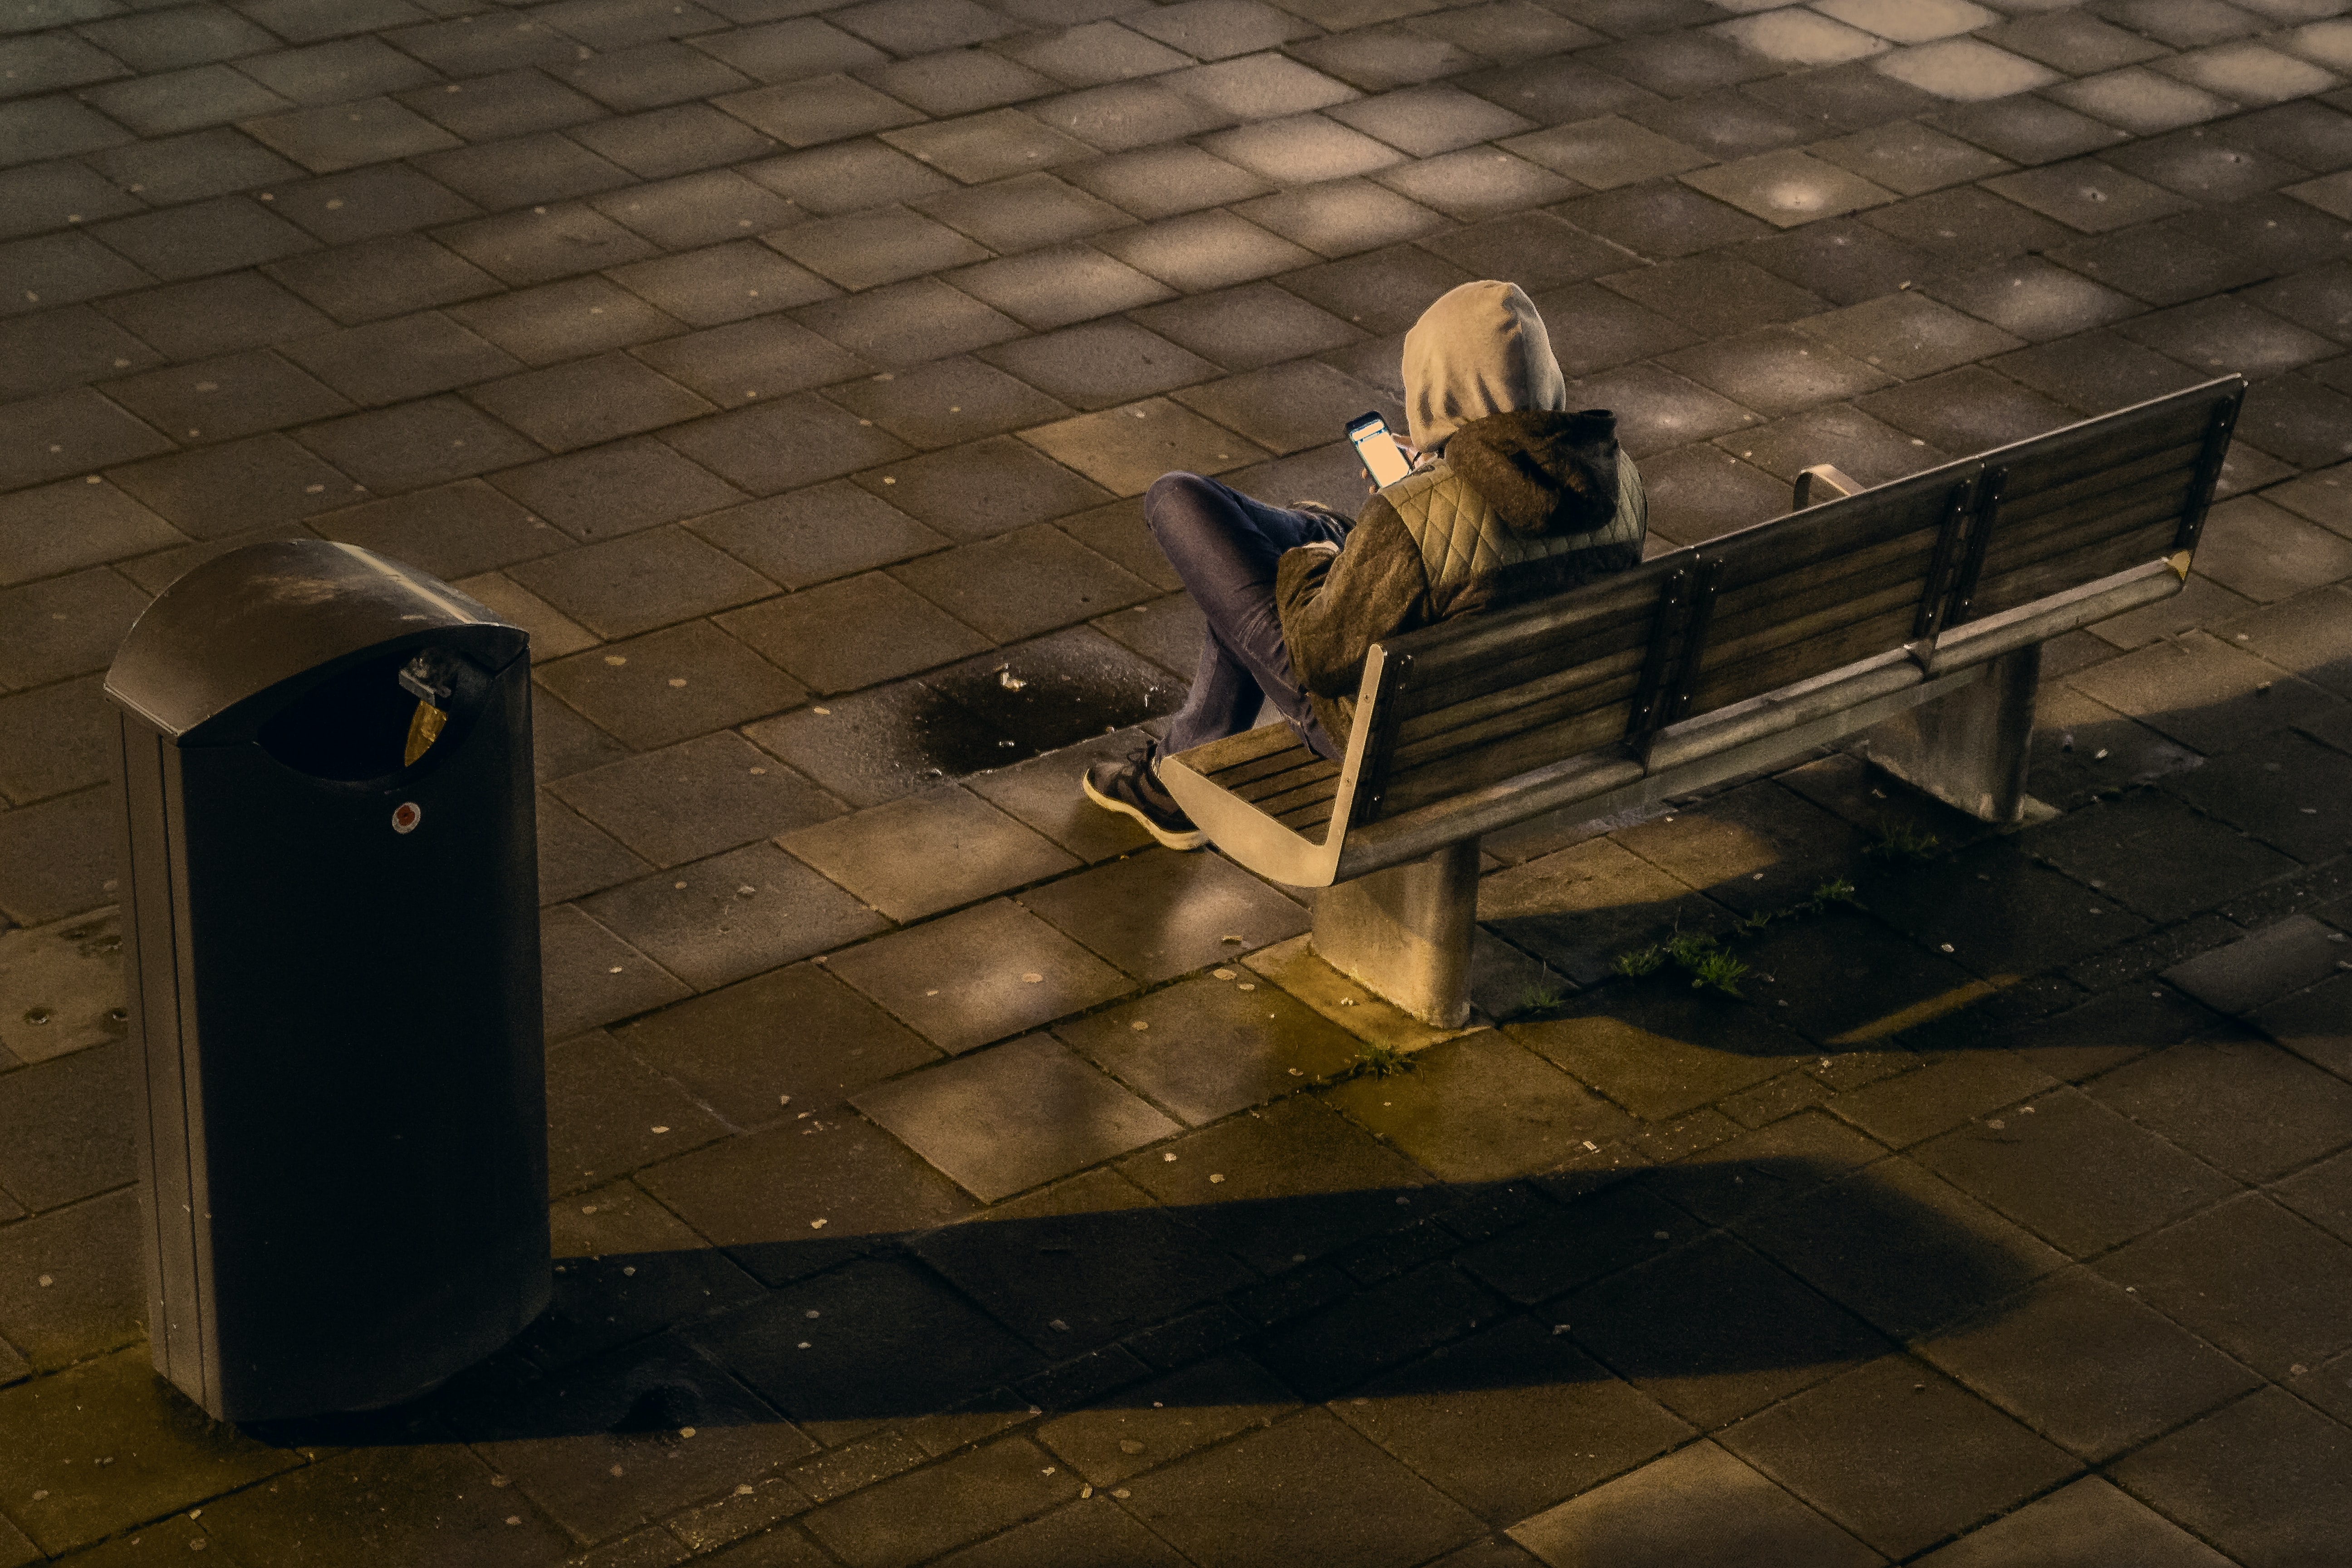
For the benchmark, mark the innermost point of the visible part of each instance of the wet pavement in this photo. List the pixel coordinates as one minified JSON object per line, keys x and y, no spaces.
{"x":985,"y":1187}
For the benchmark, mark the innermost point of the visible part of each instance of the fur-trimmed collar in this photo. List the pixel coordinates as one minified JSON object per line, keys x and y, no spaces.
{"x":1543,"y":473}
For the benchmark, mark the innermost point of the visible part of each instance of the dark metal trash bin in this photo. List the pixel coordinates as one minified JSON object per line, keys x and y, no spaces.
{"x":333,"y":968}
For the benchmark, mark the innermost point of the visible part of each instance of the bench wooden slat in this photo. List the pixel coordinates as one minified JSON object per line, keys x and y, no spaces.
{"x":2166,"y":495}
{"x":2111,"y":440}
{"x":2087,"y":562}
{"x":2015,"y":556}
{"x":1738,"y":616}
{"x":2024,"y":505}
{"x":1805,"y":660}
{"x":1241,"y":777}
{"x":1216,"y":758}
{"x":1242,"y":768}
{"x":1405,"y":790}
{"x":1876,"y":549}
{"x":2033,"y":491}
{"x":2132,"y":511}
{"x":1590,"y":676}
{"x":1824,"y":533}
{"x":1765,"y":669}
{"x":1293,"y":770}
{"x":1797,"y":595}
{"x":1759,"y":636}
{"x":1434,"y":743}
{"x":1306,"y":791}
{"x":1577,"y":647}
{"x":1442,"y":652}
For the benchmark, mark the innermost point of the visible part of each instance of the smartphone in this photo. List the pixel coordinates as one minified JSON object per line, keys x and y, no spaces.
{"x":1378,"y":449}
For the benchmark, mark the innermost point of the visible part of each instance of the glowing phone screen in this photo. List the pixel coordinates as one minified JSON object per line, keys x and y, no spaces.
{"x":1378,"y":449}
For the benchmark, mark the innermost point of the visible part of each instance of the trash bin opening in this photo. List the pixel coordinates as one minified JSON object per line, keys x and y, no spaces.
{"x":354,"y":727}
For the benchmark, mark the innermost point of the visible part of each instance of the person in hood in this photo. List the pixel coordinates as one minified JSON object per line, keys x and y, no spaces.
{"x":1511,"y":497}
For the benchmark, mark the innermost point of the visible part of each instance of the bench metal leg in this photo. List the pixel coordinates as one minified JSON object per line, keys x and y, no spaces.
{"x":1969,"y":748}
{"x":1404,"y":934}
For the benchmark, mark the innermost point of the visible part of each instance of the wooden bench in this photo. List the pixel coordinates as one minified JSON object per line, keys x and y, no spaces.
{"x":1914,"y":610}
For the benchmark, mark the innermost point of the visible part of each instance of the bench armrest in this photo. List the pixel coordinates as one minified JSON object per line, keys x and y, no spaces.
{"x":1819,"y":483}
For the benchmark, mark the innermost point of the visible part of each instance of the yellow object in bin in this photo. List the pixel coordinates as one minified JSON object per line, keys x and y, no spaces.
{"x":430,"y":678}
{"x":424,"y":728}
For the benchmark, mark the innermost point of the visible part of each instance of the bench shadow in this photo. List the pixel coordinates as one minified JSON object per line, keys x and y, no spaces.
{"x":1824,"y":1266}
{"x":2159,"y":816}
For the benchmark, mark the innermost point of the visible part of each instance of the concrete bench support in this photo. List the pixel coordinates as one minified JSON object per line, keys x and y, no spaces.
{"x":1405,"y":933}
{"x":1969,"y":748}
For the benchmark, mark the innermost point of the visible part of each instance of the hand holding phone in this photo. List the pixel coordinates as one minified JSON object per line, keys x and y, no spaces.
{"x":1378,"y":449}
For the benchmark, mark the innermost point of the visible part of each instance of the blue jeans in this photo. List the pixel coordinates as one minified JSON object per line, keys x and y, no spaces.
{"x":1224,"y":546}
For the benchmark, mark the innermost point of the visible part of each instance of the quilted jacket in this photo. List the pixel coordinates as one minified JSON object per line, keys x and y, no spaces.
{"x":1522,"y":504}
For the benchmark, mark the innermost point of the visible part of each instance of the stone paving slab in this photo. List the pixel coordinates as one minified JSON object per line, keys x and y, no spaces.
{"x":985,"y":1186}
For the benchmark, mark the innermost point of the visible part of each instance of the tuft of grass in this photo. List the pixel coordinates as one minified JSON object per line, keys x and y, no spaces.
{"x":1691,"y":949}
{"x":1903,"y":844}
{"x":1706,"y":960}
{"x":1836,"y":891}
{"x":1719,"y":970}
{"x":1699,"y":956}
{"x":1641,"y":961}
{"x":1540,"y":999}
{"x":1380,"y":1061}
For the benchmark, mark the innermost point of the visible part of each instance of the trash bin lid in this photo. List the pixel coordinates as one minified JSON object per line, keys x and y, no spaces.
{"x":233,"y":641}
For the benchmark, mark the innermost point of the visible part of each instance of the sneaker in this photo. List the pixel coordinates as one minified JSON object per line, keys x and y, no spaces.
{"x":1133,"y":787}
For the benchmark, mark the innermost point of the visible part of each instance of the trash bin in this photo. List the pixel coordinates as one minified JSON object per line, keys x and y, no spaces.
{"x":332,"y":956}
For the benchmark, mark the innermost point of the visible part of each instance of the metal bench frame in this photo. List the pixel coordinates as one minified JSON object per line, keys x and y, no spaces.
{"x":1950,"y":709}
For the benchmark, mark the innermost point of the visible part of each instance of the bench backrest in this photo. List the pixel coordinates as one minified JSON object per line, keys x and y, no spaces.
{"x":1476,"y":700}
{"x":2075,"y":505}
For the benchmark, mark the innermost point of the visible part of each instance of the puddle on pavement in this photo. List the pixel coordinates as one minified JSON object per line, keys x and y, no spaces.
{"x":993,"y":712}
{"x":882,"y":743}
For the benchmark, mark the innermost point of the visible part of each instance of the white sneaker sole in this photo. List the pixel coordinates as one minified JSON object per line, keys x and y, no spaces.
{"x":1192,"y":840}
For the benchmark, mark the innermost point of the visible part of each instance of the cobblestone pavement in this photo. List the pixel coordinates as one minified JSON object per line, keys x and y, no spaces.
{"x":793,"y":374}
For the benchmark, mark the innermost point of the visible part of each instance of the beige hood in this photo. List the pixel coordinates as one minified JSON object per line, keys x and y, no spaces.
{"x":1480,"y":350}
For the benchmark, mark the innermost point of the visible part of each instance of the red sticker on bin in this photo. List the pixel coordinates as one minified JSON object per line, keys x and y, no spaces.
{"x":406,"y":815}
